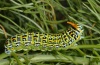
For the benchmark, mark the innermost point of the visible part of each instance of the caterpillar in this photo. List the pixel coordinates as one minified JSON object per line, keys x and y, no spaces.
{"x":44,"y":41}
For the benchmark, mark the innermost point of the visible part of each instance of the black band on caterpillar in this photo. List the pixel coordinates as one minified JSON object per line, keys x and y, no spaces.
{"x":44,"y":41}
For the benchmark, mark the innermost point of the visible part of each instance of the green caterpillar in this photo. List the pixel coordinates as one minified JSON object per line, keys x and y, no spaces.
{"x":44,"y":41}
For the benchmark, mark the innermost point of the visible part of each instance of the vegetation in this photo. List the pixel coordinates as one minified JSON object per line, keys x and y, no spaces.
{"x":50,"y":16}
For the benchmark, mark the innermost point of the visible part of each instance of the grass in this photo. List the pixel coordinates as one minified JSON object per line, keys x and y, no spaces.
{"x":50,"y":16}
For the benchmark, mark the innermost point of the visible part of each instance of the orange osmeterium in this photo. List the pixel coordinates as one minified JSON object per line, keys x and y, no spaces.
{"x":73,"y":24}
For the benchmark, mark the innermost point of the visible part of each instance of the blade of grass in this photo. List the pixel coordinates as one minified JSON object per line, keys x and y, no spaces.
{"x":29,"y":19}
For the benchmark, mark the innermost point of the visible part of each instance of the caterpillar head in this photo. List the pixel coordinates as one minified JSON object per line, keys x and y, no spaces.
{"x":78,"y":28}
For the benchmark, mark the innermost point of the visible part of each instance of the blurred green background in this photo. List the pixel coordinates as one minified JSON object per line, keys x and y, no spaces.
{"x":50,"y":16}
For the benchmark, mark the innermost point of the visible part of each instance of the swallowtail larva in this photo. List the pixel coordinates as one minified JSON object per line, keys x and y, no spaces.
{"x":44,"y":41}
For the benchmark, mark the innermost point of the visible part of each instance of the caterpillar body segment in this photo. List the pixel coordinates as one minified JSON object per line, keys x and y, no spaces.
{"x":43,"y":41}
